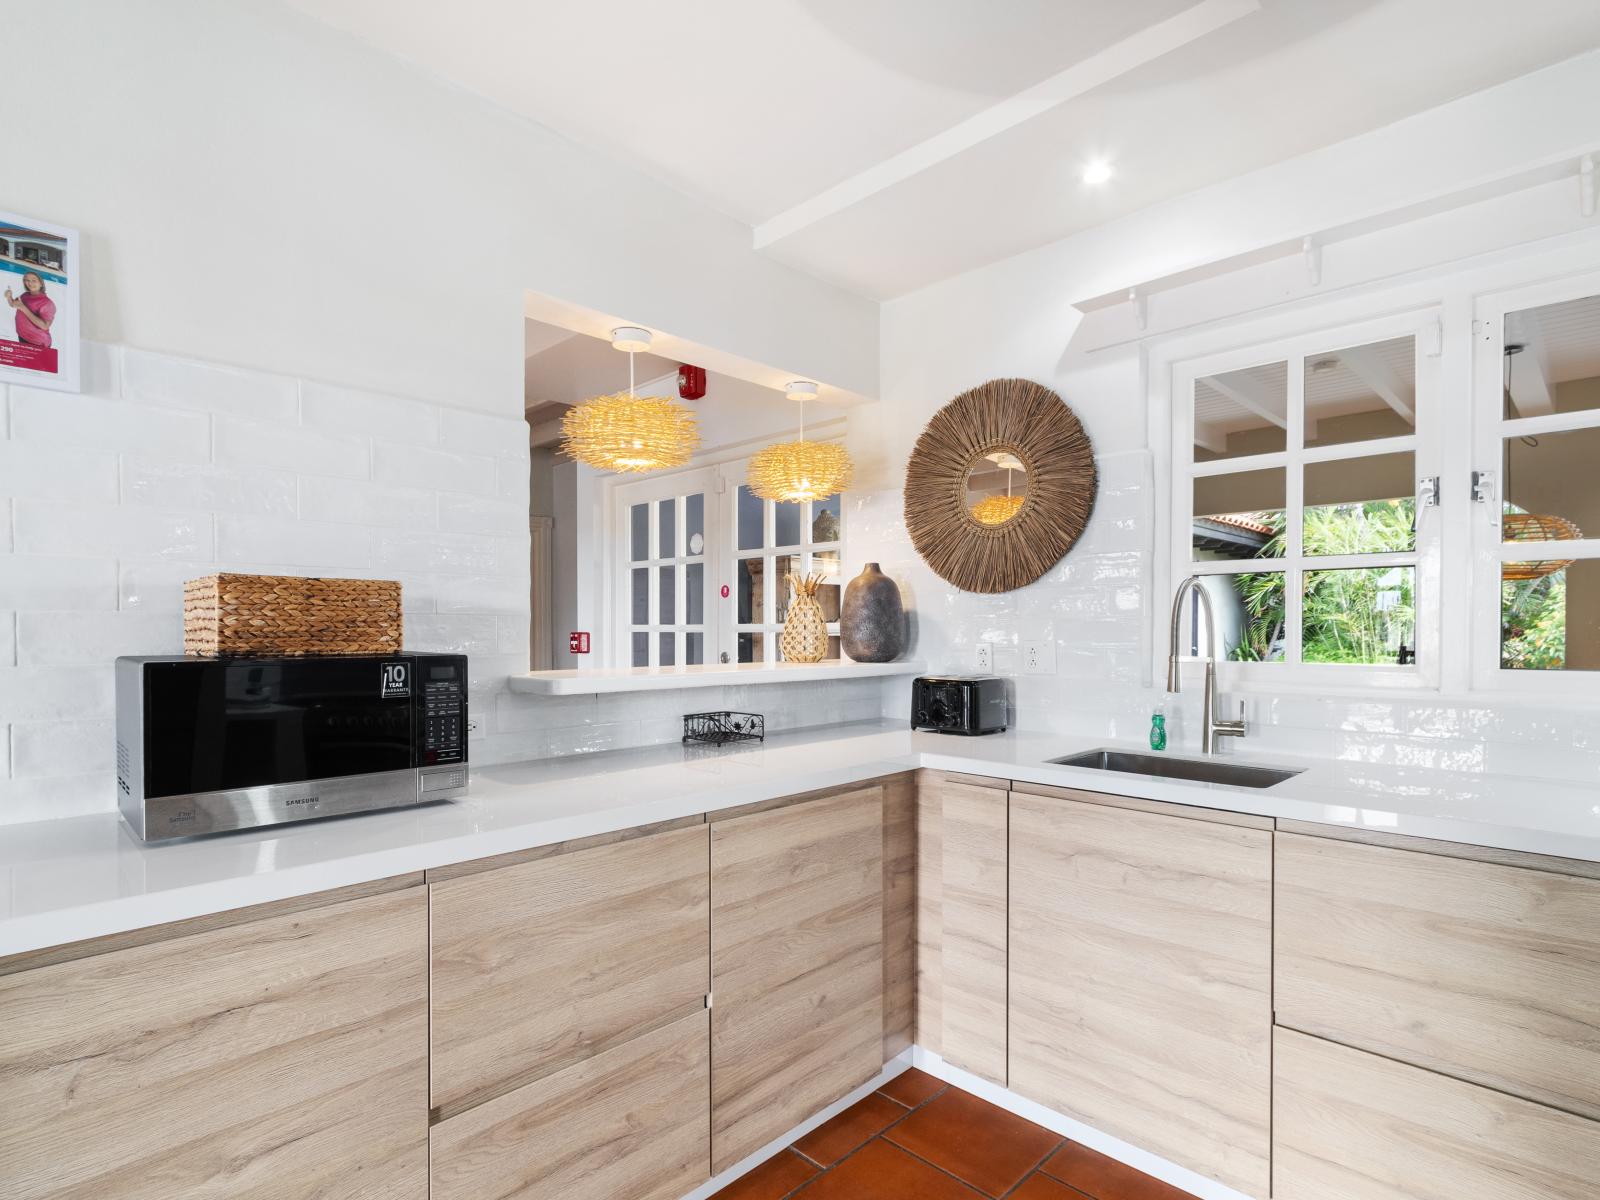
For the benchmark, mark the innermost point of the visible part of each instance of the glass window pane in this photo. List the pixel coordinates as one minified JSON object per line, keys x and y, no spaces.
{"x":787,"y":565}
{"x":639,"y":532}
{"x":1249,"y":612}
{"x":1361,"y":393}
{"x":1551,"y":488}
{"x":1364,"y":615}
{"x":826,"y":564}
{"x":1360,"y":505}
{"x":669,"y":656}
{"x":751,"y":647}
{"x":1551,"y":364}
{"x":787,"y":524}
{"x":1239,"y":515}
{"x":747,"y":583}
{"x":1241,"y":412}
{"x":641,"y":649}
{"x":694,"y":594}
{"x":694,"y":649}
{"x":825,"y":519}
{"x":1550,"y":615}
{"x":667,"y":519}
{"x":641,"y":595}
{"x":694,"y":524}
{"x":751,"y":508}
{"x":669,"y":608}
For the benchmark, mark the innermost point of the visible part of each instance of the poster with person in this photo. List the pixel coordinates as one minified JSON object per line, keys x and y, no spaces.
{"x":41,"y":281}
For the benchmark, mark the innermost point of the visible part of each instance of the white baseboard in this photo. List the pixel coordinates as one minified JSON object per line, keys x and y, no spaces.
{"x":1124,"y":1152}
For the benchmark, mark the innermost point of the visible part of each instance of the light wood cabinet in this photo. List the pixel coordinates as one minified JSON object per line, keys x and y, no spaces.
{"x":542,"y":963}
{"x":629,"y":1123}
{"x":1484,"y":971}
{"x":1140,"y":975}
{"x":1353,"y":1126}
{"x":899,"y":913}
{"x":973,"y":909}
{"x":274,"y":1059}
{"x":797,"y":964}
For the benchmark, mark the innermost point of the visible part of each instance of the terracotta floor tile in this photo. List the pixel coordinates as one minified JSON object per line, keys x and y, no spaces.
{"x":879,"y":1171}
{"x":772,"y":1180}
{"x":912,"y":1087}
{"x":974,"y":1140}
{"x":1105,"y":1178}
{"x":1042,"y":1187}
{"x":837,"y":1136}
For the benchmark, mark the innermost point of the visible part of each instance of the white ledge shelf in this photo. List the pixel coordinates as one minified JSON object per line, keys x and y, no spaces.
{"x":664,"y":679}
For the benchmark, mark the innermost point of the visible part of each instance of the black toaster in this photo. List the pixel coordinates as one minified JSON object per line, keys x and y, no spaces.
{"x":967,"y":704}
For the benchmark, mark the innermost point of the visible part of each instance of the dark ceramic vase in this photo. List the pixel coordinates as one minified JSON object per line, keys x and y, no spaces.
{"x":872,"y":623}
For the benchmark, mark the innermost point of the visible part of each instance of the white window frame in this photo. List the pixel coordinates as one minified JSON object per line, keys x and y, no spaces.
{"x":1425,"y":444}
{"x":806,"y":549}
{"x":651,"y":490}
{"x":1490,"y":427}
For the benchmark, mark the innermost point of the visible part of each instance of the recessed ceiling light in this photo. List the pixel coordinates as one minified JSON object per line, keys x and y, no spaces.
{"x":1096,"y":172}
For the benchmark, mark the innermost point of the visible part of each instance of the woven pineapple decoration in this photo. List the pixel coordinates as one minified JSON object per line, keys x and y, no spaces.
{"x":805,"y":633}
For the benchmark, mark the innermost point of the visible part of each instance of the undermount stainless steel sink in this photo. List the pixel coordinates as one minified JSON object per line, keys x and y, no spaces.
{"x":1160,"y":766}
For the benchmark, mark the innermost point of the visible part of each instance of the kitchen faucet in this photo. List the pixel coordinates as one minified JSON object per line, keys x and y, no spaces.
{"x":1210,"y":728}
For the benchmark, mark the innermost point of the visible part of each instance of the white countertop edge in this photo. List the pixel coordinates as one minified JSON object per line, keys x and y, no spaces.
{"x":522,"y":806}
{"x":666,"y":679}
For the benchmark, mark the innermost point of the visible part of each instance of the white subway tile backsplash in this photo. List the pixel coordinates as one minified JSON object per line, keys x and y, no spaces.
{"x":45,"y":472}
{"x":479,"y":593}
{"x":50,"y":582}
{"x":511,"y":479}
{"x":158,"y":586}
{"x":8,"y":643}
{"x":468,"y":554}
{"x":477,"y":514}
{"x":43,"y":528}
{"x":290,"y":447}
{"x":358,"y":502}
{"x":478,"y":433}
{"x":451,"y":634}
{"x":53,"y":797}
{"x":162,"y":381}
{"x":370,"y":414}
{"x":56,"y":693}
{"x":45,"y":748}
{"x":296,"y":543}
{"x":444,"y":470}
{"x":63,"y":638}
{"x":97,"y":423}
{"x":259,"y":490}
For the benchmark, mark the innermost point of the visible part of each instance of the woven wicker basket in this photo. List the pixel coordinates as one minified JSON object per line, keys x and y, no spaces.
{"x":290,"y":615}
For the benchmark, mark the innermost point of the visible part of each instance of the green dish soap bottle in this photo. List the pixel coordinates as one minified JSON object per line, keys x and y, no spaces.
{"x":1158,"y":729}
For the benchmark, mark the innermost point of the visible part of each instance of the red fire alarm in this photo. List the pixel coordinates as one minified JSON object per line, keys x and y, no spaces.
{"x":577,"y":643}
{"x":691,"y":382}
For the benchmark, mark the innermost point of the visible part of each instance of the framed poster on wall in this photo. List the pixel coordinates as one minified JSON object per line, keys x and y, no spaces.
{"x":41,"y":283}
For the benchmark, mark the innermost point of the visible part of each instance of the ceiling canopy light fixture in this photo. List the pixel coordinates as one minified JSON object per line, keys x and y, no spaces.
{"x":789,"y":472}
{"x":625,"y":432}
{"x":1097,"y":171}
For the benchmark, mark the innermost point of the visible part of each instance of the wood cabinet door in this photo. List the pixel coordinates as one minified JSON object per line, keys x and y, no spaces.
{"x":542,"y":963}
{"x":973,"y":967}
{"x":629,"y":1123}
{"x":1141,"y":958}
{"x":796,"y":964}
{"x":1348,"y":1125}
{"x":1483,"y":971}
{"x":271,"y":1060}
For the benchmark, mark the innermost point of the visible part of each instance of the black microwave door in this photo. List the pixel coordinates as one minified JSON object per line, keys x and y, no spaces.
{"x":211,"y":726}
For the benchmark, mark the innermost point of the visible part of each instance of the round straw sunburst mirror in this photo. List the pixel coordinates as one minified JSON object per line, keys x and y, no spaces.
{"x":1000,"y":485}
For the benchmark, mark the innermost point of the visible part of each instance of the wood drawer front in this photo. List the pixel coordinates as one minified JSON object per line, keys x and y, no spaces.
{"x":629,"y":1123}
{"x":271,"y":1060}
{"x":1140,"y":975}
{"x":1487,"y":972}
{"x":1353,"y":1126}
{"x":797,"y":965}
{"x":974,"y":939}
{"x":543,"y":963}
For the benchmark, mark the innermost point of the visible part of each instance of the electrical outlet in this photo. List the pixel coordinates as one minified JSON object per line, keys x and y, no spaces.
{"x":983,"y":658}
{"x":474,"y":727}
{"x":1039,"y":658}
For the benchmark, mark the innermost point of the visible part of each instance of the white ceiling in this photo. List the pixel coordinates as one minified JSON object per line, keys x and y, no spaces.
{"x":889,"y":144}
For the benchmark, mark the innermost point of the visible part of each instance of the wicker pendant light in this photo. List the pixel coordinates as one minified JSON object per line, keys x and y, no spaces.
{"x":789,"y":472}
{"x":1526,"y":526}
{"x":625,"y":432}
{"x":997,"y":510}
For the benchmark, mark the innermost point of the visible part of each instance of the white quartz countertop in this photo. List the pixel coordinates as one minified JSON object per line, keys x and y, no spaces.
{"x":83,"y":877}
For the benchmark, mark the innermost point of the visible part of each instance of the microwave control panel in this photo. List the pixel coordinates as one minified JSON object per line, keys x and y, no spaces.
{"x":444,"y":715}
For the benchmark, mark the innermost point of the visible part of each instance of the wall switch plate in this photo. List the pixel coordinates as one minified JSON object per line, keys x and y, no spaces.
{"x":1039,"y":658}
{"x":983,"y":657}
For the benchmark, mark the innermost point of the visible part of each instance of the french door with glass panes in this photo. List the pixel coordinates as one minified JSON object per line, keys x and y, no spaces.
{"x":666,"y":531}
{"x":771,"y":543}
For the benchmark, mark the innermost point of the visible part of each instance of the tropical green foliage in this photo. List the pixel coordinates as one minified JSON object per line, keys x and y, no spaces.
{"x":1533,"y":623}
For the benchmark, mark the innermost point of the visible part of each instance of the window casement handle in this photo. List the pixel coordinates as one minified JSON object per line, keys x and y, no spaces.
{"x":1427,"y":497}
{"x":1483,"y":487}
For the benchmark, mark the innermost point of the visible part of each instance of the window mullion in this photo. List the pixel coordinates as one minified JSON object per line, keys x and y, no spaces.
{"x":1294,"y":511}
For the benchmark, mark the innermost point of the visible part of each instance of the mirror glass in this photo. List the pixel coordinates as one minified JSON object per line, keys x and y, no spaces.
{"x":997,"y":487}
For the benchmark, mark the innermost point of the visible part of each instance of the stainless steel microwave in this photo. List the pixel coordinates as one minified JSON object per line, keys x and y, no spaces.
{"x":207,"y":745}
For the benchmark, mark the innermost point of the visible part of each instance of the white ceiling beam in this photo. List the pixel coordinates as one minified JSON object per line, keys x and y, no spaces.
{"x":1377,"y":375}
{"x":1115,"y":60}
{"x":1209,"y":437}
{"x":1247,"y":394}
{"x":1532,"y":393}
